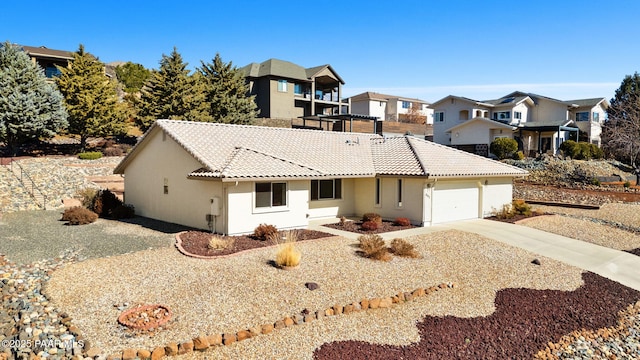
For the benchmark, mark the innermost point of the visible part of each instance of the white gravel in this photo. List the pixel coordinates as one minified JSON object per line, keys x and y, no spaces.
{"x":242,"y":291}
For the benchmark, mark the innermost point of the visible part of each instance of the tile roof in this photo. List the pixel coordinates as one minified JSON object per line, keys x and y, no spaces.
{"x":242,"y":152}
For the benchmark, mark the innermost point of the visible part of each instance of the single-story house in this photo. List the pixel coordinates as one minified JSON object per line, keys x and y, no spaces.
{"x":231,"y":178}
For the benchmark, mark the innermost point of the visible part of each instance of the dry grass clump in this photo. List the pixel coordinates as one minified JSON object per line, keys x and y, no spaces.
{"x":517,"y":207}
{"x":264,"y":231}
{"x":373,"y":247}
{"x":343,"y":221}
{"x":401,"y":247}
{"x":288,"y":255}
{"x":79,"y":215}
{"x":219,"y":243}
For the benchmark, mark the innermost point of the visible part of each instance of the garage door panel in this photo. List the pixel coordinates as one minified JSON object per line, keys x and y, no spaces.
{"x":455,"y":201}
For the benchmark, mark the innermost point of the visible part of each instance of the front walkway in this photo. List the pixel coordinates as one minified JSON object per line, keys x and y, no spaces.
{"x":613,"y":264}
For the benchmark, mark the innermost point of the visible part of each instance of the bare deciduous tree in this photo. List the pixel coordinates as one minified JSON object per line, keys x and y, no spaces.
{"x":621,"y":132}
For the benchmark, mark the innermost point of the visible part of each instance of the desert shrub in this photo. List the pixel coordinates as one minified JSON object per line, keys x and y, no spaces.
{"x":264,"y":231}
{"x":219,"y":243}
{"x":373,"y":247}
{"x":581,"y":150}
{"x":343,"y":221}
{"x":626,"y":184}
{"x":288,"y":255}
{"x":372,"y":217}
{"x":87,"y":196}
{"x":78,"y":215}
{"x":503,"y":148}
{"x":401,"y":221}
{"x":123,"y":211}
{"x":519,"y":155}
{"x":520,"y":207}
{"x":369,"y":226}
{"x":504,"y":213}
{"x":90,"y":155}
{"x":596,"y":182}
{"x":112,"y":151}
{"x":402,"y":248}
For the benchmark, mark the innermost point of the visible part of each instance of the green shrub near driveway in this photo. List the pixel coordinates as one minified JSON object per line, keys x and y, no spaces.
{"x":90,"y":155}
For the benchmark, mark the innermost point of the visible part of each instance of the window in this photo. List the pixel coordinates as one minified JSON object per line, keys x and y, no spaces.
{"x":438,"y":116}
{"x":517,"y":115}
{"x":326,"y":189}
{"x":596,"y":117}
{"x":282,"y":85}
{"x":399,"y":193}
{"x":271,"y":194}
{"x":502,"y":115}
{"x":377,"y":197}
{"x":582,"y":116}
{"x":406,"y":104}
{"x":297,"y":89}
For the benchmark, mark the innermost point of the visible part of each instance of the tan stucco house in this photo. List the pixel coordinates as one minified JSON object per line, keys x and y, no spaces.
{"x":538,"y":123}
{"x":284,"y":90}
{"x":390,"y":107}
{"x":231,"y":178}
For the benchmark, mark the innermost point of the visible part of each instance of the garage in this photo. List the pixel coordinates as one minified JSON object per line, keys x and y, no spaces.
{"x":455,"y":200}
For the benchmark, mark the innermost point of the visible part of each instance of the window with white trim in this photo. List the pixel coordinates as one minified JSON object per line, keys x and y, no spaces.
{"x":582,"y":116}
{"x":517,"y":115}
{"x":326,"y":189}
{"x":502,"y":115}
{"x":271,"y":194}
{"x":438,"y":116}
{"x":377,"y":194}
{"x":596,"y":117}
{"x":406,"y":104}
{"x":282,"y":85}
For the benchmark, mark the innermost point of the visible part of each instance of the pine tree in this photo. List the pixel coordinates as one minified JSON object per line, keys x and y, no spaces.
{"x":227,"y":93}
{"x":90,"y":98}
{"x":132,"y":76}
{"x":172,"y":93}
{"x":30,"y":107}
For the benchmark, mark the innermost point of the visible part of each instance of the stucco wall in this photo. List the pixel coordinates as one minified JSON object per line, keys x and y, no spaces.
{"x":496,"y":193}
{"x":282,"y":103}
{"x":187,"y":201}
{"x":476,"y":132}
{"x":548,"y":110}
{"x":334,"y":208}
{"x":451,"y":118}
{"x":243,"y":216}
{"x":388,"y":208}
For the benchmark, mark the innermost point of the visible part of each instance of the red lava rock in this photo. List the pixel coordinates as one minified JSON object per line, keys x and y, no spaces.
{"x":145,"y":317}
{"x":524,"y":322}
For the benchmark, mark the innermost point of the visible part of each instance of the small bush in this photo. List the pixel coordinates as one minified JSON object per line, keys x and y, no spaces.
{"x":219,"y":243}
{"x":107,"y":205}
{"x":112,"y":151}
{"x":503,"y":148}
{"x":87,"y":196}
{"x":402,"y":221}
{"x":520,"y":207}
{"x":343,"y":221}
{"x":288,"y":255}
{"x":78,"y":215}
{"x":626,"y":184}
{"x":372,"y":217}
{"x":581,"y":150}
{"x":369,"y":226}
{"x":90,"y":155}
{"x":402,"y":248}
{"x":518,"y":155}
{"x":504,"y":213}
{"x":373,"y":247}
{"x":264,"y":231}
{"x":595,"y":181}
{"x":123,"y":211}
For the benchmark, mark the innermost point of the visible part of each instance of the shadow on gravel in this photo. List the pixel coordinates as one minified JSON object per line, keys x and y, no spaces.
{"x":157,"y":225}
{"x":524,"y":322}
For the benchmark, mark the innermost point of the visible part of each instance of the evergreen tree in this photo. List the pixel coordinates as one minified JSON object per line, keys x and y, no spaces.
{"x":227,"y":93}
{"x":30,"y":107}
{"x":172,"y":93}
{"x":621,"y":131}
{"x":90,"y":97}
{"x":132,"y":76}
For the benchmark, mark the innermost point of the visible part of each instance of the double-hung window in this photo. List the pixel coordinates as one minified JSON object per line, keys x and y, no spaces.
{"x":438,"y":116}
{"x":271,"y":194}
{"x":326,"y":189}
{"x":282,"y":85}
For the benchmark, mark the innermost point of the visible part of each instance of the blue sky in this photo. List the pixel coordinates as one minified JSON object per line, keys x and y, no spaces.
{"x":425,"y":49}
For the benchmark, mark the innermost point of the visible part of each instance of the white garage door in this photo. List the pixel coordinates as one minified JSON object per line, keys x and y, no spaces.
{"x":455,"y":201}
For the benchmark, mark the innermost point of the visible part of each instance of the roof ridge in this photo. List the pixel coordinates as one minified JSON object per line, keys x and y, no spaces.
{"x":238,"y":150}
{"x":415,"y":154}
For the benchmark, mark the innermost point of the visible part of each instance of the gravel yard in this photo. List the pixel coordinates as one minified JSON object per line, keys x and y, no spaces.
{"x":626,"y":214}
{"x":28,"y":236}
{"x":239,"y":292}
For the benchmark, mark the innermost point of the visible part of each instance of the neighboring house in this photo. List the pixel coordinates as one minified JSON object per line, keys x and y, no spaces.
{"x":284,"y":90}
{"x":391,"y":107}
{"x":48,"y":59}
{"x":538,"y":123}
{"x":231,"y":178}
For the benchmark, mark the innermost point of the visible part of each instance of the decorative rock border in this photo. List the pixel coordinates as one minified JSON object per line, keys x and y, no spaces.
{"x":204,"y":342}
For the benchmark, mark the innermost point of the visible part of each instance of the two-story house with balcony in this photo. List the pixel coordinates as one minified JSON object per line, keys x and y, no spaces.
{"x":538,"y":123}
{"x":284,"y":90}
{"x":391,"y":107}
{"x":47,"y":59}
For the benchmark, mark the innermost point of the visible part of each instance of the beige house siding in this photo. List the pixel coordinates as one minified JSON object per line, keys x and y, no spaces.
{"x":388,"y":208}
{"x":335,"y":208}
{"x":281,"y":102}
{"x":145,"y":180}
